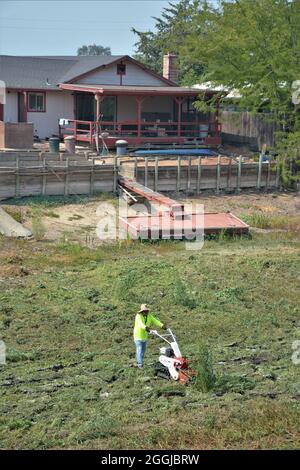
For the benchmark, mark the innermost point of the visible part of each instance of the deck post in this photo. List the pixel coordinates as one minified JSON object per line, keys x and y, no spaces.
{"x":139,"y":100}
{"x":98,"y":99}
{"x":179,"y":102}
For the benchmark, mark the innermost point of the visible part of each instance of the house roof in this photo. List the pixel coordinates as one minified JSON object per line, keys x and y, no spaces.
{"x":46,"y":72}
{"x":209,"y":86}
{"x":131,"y":90}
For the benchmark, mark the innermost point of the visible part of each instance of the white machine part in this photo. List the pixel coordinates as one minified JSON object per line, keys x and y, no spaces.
{"x":171,"y":363}
{"x":173,"y":343}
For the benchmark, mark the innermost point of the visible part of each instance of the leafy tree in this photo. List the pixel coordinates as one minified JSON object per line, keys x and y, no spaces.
{"x":252,"y":46}
{"x":93,"y":49}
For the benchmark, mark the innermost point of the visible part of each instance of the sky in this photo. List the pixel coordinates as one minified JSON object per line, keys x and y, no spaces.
{"x":60,"y":27}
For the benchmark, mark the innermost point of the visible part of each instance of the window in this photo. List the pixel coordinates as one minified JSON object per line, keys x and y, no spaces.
{"x":108,"y":108}
{"x":36,"y":102}
{"x":121,"y":69}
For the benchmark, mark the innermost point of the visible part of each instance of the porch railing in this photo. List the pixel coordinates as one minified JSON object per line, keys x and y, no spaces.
{"x":86,"y":130}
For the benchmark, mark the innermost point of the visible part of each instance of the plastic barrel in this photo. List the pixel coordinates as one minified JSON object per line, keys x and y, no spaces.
{"x":54,"y":144}
{"x":121,"y":146}
{"x":69,"y":144}
{"x":203,"y":131}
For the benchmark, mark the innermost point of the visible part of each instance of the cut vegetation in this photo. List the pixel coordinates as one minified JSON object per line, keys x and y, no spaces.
{"x":67,"y":315}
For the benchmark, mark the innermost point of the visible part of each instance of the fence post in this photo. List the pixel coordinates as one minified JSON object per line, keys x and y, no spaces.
{"x":156,"y":174}
{"x":268,"y":175}
{"x":218,"y":175}
{"x":277,"y":181}
{"x":239,"y":174}
{"x":67,"y":177}
{"x":189,"y":174}
{"x":92,"y":177}
{"x":178,"y":173}
{"x":135,"y":168}
{"x":146,"y":172}
{"x":44,"y":177}
{"x":229,"y":174}
{"x":17,"y":176}
{"x":259,"y":168}
{"x":115,"y":173}
{"x":199,"y":175}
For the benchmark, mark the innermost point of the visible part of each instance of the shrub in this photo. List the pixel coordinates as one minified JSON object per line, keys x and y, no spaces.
{"x":38,"y":227}
{"x":257,"y":220}
{"x":205,"y":378}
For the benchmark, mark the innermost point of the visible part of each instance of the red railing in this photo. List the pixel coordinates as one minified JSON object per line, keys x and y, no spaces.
{"x":86,"y":130}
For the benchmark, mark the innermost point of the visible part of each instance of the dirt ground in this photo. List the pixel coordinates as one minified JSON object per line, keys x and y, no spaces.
{"x":78,"y":222}
{"x":286,"y":204}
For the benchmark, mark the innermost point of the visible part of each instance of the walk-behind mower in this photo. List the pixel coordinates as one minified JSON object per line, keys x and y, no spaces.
{"x":171,"y":364}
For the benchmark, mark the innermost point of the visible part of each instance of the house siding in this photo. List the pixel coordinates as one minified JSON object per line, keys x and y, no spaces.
{"x":58,"y":105}
{"x":11,"y":107}
{"x":134,"y":76}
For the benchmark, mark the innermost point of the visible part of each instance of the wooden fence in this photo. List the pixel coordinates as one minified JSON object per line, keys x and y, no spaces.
{"x":190,"y":174}
{"x":32,"y":174}
{"x":248,"y":129}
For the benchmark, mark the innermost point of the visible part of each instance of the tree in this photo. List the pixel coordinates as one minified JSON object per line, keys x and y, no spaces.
{"x":169,"y":31}
{"x":93,"y":49}
{"x":252,"y":46}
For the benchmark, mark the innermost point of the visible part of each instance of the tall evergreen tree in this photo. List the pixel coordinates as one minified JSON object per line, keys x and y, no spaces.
{"x":169,"y":31}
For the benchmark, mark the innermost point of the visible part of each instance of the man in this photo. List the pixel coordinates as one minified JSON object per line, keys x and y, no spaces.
{"x":143,"y":321}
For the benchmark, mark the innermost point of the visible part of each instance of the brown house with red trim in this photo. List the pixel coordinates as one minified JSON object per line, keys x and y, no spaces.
{"x":86,"y":95}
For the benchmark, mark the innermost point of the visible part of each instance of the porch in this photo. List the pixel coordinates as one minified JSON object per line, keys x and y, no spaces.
{"x":141,"y":115}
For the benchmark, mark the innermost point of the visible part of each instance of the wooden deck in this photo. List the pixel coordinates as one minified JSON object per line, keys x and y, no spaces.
{"x":142,"y":133}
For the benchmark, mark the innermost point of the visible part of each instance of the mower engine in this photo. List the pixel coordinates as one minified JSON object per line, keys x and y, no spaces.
{"x":171,"y":363}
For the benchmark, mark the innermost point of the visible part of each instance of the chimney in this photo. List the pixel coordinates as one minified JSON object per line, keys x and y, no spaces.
{"x":170,"y":70}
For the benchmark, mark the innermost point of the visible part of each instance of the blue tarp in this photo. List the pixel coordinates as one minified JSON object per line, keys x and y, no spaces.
{"x":201,"y":152}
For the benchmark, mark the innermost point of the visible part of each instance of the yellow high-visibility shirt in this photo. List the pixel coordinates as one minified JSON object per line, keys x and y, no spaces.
{"x":139,"y":332}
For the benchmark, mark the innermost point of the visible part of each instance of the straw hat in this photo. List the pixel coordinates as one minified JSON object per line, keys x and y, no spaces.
{"x":144,"y":308}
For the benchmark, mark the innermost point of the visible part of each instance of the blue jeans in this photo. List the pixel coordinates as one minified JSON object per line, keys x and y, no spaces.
{"x":140,"y":351}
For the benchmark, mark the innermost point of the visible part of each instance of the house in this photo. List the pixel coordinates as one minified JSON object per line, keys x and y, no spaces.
{"x":86,"y":95}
